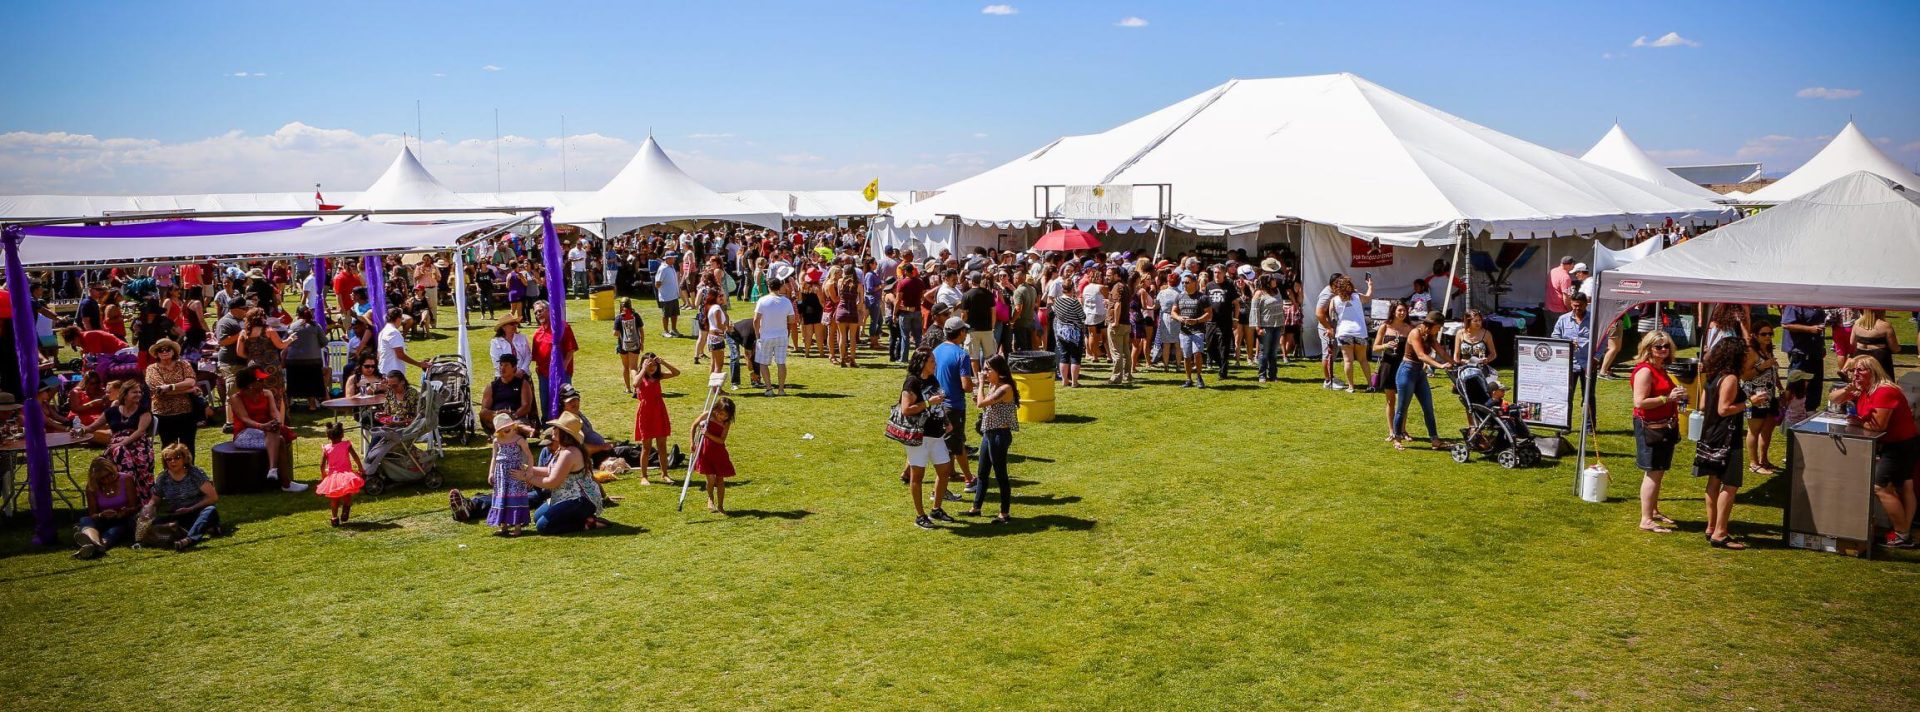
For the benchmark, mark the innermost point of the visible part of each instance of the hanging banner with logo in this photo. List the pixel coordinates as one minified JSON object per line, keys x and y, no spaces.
{"x":1367,"y":253}
{"x":1543,"y":381}
{"x":1098,"y":202}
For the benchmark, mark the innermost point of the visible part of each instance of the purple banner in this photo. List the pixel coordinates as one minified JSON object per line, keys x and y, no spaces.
{"x":26,"y":351}
{"x":556,"y":310}
{"x":375,"y":274}
{"x":317,"y":301}
{"x":167,"y":228}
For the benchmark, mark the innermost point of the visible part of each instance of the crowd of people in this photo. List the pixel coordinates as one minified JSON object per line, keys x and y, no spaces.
{"x":955,"y":322}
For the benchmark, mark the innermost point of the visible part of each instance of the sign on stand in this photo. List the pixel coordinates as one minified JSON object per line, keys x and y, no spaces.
{"x":1543,"y":381}
{"x":1098,"y":202}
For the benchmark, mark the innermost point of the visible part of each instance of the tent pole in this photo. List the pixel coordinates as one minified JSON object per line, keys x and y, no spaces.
{"x":460,"y":307}
{"x":26,"y":351}
{"x":1459,"y":241}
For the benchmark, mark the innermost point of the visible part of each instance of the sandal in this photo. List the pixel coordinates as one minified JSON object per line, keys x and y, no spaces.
{"x":1728,"y":543}
{"x":1656,"y":529}
{"x":1662,"y":519}
{"x":1000,"y":519}
{"x":1398,"y":445}
{"x":970,"y":513}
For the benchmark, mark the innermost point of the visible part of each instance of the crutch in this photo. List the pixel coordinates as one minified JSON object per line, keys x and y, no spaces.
{"x":714,"y":381}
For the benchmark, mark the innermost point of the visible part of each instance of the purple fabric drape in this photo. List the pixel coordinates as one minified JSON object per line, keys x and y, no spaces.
{"x":26,"y":351}
{"x":375,"y":275}
{"x":317,"y":301}
{"x":556,"y":310}
{"x":168,"y":228}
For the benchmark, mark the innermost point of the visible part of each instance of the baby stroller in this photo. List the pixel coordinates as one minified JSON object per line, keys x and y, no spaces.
{"x":1493,"y":429}
{"x":456,"y":414}
{"x":409,"y":454}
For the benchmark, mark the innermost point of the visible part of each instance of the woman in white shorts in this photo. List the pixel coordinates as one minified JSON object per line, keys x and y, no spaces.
{"x":920,"y":396}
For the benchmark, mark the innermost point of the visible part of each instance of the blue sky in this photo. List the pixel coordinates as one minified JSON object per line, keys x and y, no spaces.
{"x":145,"y":97}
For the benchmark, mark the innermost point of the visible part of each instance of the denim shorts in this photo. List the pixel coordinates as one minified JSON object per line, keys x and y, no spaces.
{"x":1192,"y":344}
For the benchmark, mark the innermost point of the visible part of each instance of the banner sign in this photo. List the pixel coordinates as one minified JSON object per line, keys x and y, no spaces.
{"x":1543,"y":381}
{"x":1098,"y":202}
{"x":1367,"y":253}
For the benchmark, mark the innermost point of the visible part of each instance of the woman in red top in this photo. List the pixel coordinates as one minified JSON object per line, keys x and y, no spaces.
{"x":1880,"y":406}
{"x":92,"y":343}
{"x":543,"y":353}
{"x":1656,"y":407}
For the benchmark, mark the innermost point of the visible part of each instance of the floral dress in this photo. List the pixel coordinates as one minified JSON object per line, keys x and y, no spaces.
{"x":133,"y":458}
{"x":509,"y":494}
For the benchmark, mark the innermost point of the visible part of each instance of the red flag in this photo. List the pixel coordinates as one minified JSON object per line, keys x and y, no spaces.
{"x":321,"y":201}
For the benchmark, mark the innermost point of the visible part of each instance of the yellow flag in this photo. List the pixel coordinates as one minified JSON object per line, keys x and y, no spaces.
{"x":884,"y":204}
{"x":872,"y":191}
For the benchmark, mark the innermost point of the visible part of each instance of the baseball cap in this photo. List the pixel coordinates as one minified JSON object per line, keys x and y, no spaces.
{"x":1581,"y":267}
{"x":568,"y":392}
{"x":954,"y":324}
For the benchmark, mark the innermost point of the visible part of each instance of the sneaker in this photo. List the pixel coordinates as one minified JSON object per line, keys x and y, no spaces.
{"x":941,"y":515}
{"x":1896,"y":540}
{"x":458,"y":504}
{"x":923,"y":522}
{"x":951,"y":497}
{"x":1202,"y":383}
{"x":1339,"y":385}
{"x":296,"y":487}
{"x":1188,"y":384}
{"x":1608,"y":376}
{"x":273,"y":475}
{"x":1327,"y":384}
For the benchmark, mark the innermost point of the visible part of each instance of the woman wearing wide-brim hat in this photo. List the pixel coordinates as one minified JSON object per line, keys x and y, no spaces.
{"x":576,"y":501}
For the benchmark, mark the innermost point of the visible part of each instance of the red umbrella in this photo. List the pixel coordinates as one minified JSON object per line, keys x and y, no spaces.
{"x":1066,"y":241}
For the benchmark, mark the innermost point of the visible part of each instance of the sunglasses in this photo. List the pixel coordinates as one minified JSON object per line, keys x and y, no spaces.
{"x":1663,"y":347}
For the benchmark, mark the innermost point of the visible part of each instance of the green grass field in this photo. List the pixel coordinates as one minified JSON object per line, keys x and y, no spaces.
{"x":1242,"y":547}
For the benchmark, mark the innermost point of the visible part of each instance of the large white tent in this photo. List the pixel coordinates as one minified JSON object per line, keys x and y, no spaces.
{"x":407,"y":185}
{"x":1849,"y":151}
{"x":815,"y":204}
{"x":652,"y":190}
{"x":1334,"y":150}
{"x":26,"y":207}
{"x":1788,"y":254}
{"x":1619,"y":152}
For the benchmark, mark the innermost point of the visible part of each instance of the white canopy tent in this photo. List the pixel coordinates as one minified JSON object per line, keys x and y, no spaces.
{"x":1849,"y":151}
{"x":651,"y":190}
{"x":1618,"y":151}
{"x":352,"y":237}
{"x":1787,"y":254}
{"x":407,"y":184}
{"x":1336,"y":150}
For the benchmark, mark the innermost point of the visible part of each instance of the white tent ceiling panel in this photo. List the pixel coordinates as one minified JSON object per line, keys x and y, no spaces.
{"x":340,"y":238}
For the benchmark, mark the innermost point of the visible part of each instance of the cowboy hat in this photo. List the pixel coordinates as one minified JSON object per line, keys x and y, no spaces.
{"x":1270,"y":265}
{"x":502,"y":421}
{"x":570,"y":424}
{"x":256,"y":273}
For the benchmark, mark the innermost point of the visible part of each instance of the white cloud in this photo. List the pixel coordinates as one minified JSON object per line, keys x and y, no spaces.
{"x":1670,"y":39}
{"x":709,"y":136}
{"x":248,"y":74}
{"x":439,"y":74}
{"x":1826,"y":93}
{"x":491,"y":68}
{"x":1131,"y":22}
{"x":1609,"y":55}
{"x":999,"y":10}
{"x":979,"y":135}
{"x":297,"y":155}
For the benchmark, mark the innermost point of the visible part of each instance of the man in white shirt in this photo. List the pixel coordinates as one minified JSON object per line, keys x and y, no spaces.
{"x":392,"y":346}
{"x":949,"y":292}
{"x":577,"y":264}
{"x":773,"y":319}
{"x":666,"y":290}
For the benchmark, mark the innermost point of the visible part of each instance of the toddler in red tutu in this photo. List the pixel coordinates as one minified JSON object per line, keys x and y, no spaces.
{"x":341,"y":476}
{"x":710,"y":458}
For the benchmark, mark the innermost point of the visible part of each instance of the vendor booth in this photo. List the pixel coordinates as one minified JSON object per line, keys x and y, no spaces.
{"x":184,"y":237}
{"x":1853,"y":242}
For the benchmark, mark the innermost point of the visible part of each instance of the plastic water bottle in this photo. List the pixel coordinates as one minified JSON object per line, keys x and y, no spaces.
{"x":1696,"y":421}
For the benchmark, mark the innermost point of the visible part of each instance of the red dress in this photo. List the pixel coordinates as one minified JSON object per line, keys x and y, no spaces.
{"x":712,"y":458}
{"x":651,"y":421}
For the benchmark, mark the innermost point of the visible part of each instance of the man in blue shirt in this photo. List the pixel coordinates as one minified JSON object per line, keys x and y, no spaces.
{"x":1573,"y":326}
{"x":1804,"y":338}
{"x":954,"y":370}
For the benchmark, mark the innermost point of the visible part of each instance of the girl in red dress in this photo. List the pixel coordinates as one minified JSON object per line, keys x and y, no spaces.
{"x":650,"y":424}
{"x":710,"y":458}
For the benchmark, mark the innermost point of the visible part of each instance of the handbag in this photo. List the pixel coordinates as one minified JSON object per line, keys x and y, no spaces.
{"x":908,"y":430}
{"x":1660,"y":433}
{"x":1716,"y":443}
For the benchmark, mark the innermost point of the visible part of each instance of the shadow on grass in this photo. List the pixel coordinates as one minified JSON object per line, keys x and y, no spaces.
{"x":607,"y":528}
{"x":819,"y":395}
{"x":1040,"y":500}
{"x":1233,"y":387}
{"x":368,"y":526}
{"x":1070,"y":419}
{"x":788,"y":514}
{"x":1025,"y":525}
{"x":1014,"y":458}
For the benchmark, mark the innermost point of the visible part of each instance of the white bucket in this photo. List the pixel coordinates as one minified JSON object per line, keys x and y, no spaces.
{"x":1593,"y":483}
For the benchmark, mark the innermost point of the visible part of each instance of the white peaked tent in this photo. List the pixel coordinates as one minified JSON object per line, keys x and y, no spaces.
{"x":408,"y":185}
{"x":651,"y":190}
{"x":1618,"y":151}
{"x":1788,"y":254}
{"x":1849,"y":151}
{"x":1335,"y":150}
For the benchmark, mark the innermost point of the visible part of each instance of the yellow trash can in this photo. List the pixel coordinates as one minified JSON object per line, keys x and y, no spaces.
{"x":1036,"y":397}
{"x":601,"y":305}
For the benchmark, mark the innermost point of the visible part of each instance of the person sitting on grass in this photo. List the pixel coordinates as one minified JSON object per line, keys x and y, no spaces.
{"x":509,"y":394}
{"x":185,"y":495}
{"x":575,"y":500}
{"x":111,"y":510}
